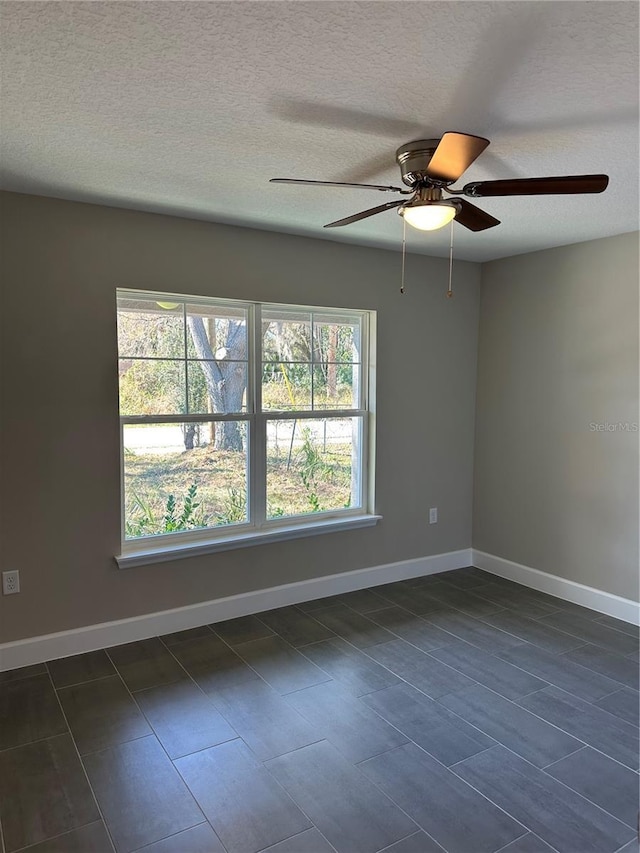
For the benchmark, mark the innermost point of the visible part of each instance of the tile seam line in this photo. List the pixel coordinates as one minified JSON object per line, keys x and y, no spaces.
{"x":568,"y":787}
{"x":425,"y":618}
{"x":79,"y":757}
{"x":208,"y":698}
{"x":60,"y":835}
{"x":389,"y":846}
{"x":391,"y":603}
{"x":366,"y":778}
{"x":581,"y":642}
{"x":573,"y":663}
{"x":448,"y":769}
{"x":557,"y":761}
{"x":161,"y":745}
{"x":616,"y":721}
{"x":455,"y":692}
{"x":408,"y":642}
{"x":288,"y":838}
{"x":261,"y":677}
{"x":522,"y":708}
{"x":263,"y":764}
{"x":529,"y":832}
{"x":606,"y":651}
{"x":579,"y":740}
{"x":456,"y":638}
{"x":120,"y":743}
{"x":561,"y":655}
{"x":588,"y":642}
{"x":484,"y":734}
{"x":436,"y":759}
{"x":483,"y":621}
{"x":584,"y":796}
{"x":273,"y":634}
{"x":31,"y":742}
{"x":31,"y":675}
{"x":174,"y":835}
{"x":88,"y":681}
{"x":600,"y":752}
{"x":524,"y":671}
{"x":306,"y":660}
{"x":600,"y":619}
{"x":620,"y":849}
{"x":613,"y":693}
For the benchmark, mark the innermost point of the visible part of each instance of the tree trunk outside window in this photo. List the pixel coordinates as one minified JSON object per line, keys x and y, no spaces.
{"x":225,"y":379}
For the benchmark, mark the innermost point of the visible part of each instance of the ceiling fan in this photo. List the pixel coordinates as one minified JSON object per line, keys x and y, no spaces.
{"x":430,"y":166}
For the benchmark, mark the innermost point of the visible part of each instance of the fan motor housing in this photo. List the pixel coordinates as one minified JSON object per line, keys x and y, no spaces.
{"x":414,"y":158}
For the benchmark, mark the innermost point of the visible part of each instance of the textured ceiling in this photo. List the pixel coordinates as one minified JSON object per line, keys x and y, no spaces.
{"x":189,"y":108}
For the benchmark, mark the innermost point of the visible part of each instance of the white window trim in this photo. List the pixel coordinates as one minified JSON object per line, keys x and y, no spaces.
{"x":168,"y":552}
{"x":173,"y":546}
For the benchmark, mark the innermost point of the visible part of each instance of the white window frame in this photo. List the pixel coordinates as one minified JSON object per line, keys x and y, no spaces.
{"x":259,"y":529}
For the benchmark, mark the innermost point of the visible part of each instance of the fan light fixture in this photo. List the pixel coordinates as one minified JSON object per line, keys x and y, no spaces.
{"x":428,"y":216}
{"x":429,"y":167}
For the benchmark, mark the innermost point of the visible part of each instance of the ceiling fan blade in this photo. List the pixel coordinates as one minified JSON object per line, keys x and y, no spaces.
{"x":364,"y":214}
{"x":454,"y":154}
{"x":379,"y":187}
{"x":473,"y":218}
{"x":538,"y":186}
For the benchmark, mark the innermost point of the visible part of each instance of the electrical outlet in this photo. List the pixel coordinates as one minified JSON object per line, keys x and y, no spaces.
{"x":433,"y":515}
{"x":10,"y":582}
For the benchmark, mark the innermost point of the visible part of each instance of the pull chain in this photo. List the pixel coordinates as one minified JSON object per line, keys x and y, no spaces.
{"x":449,"y":290}
{"x":404,"y":245}
{"x":404,"y":252}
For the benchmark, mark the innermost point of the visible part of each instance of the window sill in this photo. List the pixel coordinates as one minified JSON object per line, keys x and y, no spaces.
{"x":166,"y":553}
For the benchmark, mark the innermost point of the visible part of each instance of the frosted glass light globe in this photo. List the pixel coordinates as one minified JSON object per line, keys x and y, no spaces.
{"x":428,"y":216}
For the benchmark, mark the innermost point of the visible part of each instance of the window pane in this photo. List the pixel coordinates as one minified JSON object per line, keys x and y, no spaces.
{"x":216,"y":332}
{"x":335,"y":386}
{"x":217,"y":386}
{"x":313,"y":465}
{"x":336,"y":338}
{"x":152,"y":387}
{"x":181,"y":477}
{"x":286,"y":335}
{"x":146,"y":330}
{"x":286,"y":386}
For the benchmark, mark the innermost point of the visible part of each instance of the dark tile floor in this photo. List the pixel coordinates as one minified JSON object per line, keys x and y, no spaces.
{"x":457,"y":712}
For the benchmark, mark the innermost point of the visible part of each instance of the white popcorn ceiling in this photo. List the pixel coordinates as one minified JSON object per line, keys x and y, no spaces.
{"x":189,"y":108}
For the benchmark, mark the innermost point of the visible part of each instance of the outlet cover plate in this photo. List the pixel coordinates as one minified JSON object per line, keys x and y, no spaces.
{"x":10,"y":582}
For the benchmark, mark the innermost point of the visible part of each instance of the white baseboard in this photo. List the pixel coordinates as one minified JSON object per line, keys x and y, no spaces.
{"x":92,"y":637}
{"x":596,"y":599}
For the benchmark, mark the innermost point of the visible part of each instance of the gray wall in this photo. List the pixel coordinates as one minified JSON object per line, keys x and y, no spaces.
{"x":558,"y":352}
{"x":60,"y":490}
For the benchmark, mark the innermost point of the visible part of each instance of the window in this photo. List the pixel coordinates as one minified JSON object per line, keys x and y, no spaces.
{"x":240,"y":419}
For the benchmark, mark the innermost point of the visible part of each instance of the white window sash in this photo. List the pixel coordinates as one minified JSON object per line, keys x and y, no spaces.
{"x":256,"y":420}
